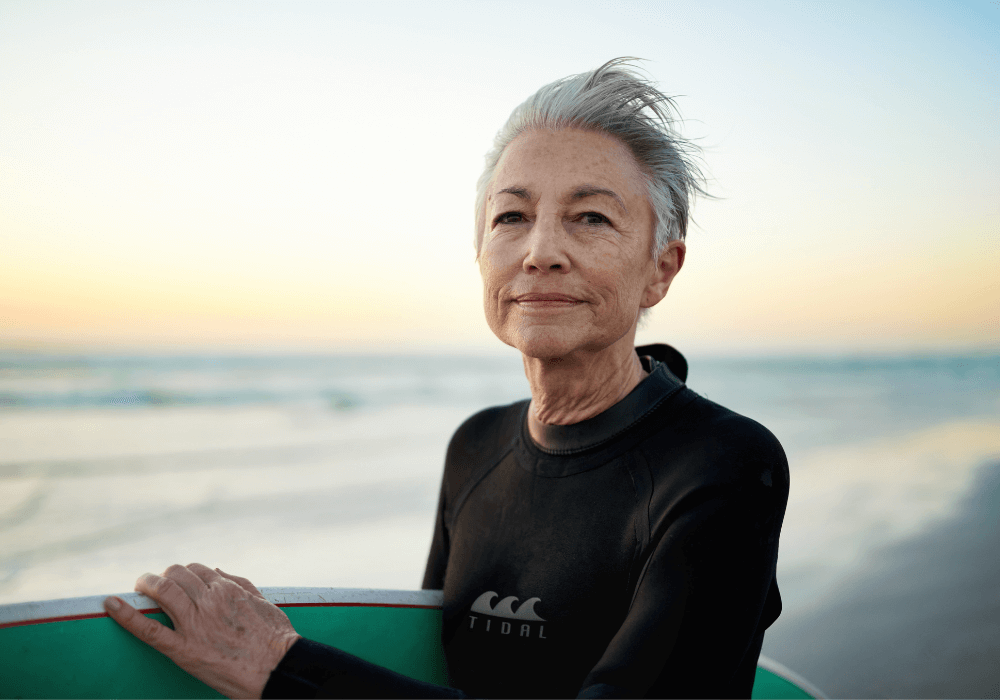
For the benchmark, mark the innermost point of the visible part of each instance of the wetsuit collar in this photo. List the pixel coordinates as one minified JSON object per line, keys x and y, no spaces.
{"x":566,"y":439}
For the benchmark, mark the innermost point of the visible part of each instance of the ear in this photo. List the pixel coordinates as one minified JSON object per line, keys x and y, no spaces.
{"x":668,"y":264}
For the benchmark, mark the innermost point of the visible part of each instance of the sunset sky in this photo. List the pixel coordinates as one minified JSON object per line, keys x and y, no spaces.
{"x":301,"y":175}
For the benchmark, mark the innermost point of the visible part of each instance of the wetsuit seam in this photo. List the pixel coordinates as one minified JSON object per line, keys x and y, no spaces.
{"x":649,"y":545}
{"x":473,"y":483}
{"x":640,"y":513}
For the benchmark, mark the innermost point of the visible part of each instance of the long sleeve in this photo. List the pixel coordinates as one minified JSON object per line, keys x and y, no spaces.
{"x":314,"y":670}
{"x":696,"y":622}
{"x":437,"y":560}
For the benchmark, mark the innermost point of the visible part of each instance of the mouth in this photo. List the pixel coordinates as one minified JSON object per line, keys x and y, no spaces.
{"x":545,"y":297}
{"x":546,"y":301}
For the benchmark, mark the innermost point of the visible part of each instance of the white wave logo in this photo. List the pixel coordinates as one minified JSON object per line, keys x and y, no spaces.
{"x":525,"y":611}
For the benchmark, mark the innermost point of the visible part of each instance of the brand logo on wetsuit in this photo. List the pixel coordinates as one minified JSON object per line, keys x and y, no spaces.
{"x":524,"y":616}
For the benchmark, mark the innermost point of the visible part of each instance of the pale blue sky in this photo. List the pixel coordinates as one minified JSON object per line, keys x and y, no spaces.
{"x":302,"y":174}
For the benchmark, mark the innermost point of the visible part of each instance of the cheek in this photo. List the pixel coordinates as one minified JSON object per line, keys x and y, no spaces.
{"x":611,"y":282}
{"x":495,"y":271}
{"x":620,"y":286}
{"x":492,"y":284}
{"x":489,"y":278}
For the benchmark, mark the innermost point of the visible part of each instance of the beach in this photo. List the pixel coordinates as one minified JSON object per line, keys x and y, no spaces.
{"x":919,"y":618}
{"x":325,"y":472}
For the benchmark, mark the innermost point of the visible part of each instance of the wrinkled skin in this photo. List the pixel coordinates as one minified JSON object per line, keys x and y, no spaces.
{"x":556,"y":234}
{"x":225,"y":633}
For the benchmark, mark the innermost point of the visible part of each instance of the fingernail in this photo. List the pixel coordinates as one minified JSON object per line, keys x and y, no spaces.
{"x":112,"y":603}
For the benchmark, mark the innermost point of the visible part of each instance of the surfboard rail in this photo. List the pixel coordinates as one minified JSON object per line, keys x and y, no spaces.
{"x":69,"y":647}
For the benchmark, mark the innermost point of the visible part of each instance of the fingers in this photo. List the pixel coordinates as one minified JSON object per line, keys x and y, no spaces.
{"x":208,"y":576}
{"x":244,"y":583}
{"x":158,"y":636}
{"x":191,"y":581}
{"x":168,"y":593}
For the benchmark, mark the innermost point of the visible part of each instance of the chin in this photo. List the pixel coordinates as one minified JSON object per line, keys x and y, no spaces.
{"x":542,"y":341}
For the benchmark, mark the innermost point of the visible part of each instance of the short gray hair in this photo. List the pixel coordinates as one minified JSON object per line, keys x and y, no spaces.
{"x":613,"y":100}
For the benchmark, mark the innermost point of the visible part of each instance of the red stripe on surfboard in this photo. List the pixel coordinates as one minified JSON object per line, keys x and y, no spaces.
{"x":356,"y":605}
{"x":64,"y":618}
{"x":89,"y":616}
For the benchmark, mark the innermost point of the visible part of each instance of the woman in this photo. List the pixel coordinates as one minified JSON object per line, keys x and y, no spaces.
{"x":616,"y":535}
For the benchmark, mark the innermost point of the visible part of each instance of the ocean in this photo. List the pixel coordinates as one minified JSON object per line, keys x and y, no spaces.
{"x":324,"y":470}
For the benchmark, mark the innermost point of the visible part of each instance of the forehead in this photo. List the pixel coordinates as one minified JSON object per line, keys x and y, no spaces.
{"x":545,"y":160}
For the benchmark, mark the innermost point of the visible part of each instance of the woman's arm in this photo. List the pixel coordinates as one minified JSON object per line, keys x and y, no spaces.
{"x":702,"y":603}
{"x":314,"y":670}
{"x":437,"y":560}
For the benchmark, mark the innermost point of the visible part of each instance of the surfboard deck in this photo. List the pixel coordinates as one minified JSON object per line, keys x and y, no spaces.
{"x":70,"y":648}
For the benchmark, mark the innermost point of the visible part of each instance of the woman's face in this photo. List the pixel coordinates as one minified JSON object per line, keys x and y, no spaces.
{"x":565,"y":256}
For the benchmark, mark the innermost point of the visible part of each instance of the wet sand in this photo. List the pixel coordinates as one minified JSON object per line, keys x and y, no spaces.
{"x":919,"y":619}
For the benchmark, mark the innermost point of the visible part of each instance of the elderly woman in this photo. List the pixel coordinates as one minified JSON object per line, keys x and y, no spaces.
{"x":636,"y":522}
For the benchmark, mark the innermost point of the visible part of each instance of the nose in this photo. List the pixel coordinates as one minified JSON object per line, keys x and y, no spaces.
{"x":547,"y":247}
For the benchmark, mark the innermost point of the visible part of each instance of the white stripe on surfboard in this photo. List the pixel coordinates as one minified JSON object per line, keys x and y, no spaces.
{"x":283,"y":595}
{"x":769,"y":664}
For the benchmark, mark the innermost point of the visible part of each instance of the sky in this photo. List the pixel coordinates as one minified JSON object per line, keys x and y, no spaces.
{"x":259,"y":176}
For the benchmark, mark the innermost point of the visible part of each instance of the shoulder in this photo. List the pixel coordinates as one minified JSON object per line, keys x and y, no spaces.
{"x":485,"y":428}
{"x":717,"y":445}
{"x":727,"y":429}
{"x":482,"y":440}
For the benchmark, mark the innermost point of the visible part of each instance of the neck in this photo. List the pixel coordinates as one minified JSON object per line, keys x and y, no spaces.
{"x":566,"y":390}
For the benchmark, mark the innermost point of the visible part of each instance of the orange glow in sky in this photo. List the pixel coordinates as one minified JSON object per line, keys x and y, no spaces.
{"x":302,"y":175}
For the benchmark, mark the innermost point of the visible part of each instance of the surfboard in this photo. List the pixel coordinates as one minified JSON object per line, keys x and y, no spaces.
{"x":70,"y":648}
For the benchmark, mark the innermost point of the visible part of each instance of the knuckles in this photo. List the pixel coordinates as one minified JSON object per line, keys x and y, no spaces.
{"x":148,"y":582}
{"x":239,"y":580}
{"x":164,"y":585}
{"x":149,"y":633}
{"x":152,"y":633}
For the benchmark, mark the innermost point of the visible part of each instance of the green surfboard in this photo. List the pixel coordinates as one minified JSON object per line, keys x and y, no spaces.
{"x":70,"y":648}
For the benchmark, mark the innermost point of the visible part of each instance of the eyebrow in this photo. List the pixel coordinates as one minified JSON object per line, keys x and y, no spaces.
{"x":581,"y":192}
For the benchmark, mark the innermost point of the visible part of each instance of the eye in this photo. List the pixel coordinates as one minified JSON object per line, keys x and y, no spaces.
{"x":601,"y":219}
{"x":502,"y":219}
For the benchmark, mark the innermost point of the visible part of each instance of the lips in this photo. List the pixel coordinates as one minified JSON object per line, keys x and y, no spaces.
{"x":546,"y":297}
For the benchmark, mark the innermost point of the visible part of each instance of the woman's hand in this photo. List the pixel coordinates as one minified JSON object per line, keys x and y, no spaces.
{"x":225,"y":633}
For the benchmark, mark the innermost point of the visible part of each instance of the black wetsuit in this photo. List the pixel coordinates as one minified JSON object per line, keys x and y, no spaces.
{"x":633,"y":557}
